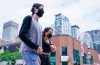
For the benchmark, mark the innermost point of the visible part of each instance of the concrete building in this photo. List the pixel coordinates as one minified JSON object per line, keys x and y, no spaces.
{"x":2,"y":42}
{"x":62,"y":25}
{"x":86,"y":39}
{"x":11,"y":46}
{"x":10,"y":30}
{"x":75,"y":31}
{"x":69,"y":52}
{"x":95,"y":34}
{"x":53,"y":27}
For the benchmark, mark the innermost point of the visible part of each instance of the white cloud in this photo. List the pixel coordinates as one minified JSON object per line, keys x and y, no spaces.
{"x":84,"y":13}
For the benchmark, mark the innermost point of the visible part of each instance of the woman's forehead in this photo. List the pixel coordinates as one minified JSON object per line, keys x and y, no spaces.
{"x":50,"y":30}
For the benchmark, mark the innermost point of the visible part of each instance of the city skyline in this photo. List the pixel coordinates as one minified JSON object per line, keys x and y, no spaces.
{"x":84,"y":13}
{"x":10,"y":31}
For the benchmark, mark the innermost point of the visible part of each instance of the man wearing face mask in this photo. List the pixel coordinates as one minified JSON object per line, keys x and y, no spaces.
{"x":31,"y":36}
{"x":47,"y":46}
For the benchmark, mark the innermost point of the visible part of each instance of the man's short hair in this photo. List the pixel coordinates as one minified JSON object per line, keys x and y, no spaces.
{"x":37,"y":5}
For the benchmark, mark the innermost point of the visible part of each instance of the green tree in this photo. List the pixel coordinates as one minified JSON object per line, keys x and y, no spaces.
{"x":9,"y":57}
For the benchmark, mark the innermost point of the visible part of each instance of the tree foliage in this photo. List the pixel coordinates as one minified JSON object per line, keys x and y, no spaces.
{"x":9,"y":57}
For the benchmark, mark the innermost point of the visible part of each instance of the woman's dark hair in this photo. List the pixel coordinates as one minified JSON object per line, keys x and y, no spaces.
{"x":37,"y":5}
{"x":46,"y":30}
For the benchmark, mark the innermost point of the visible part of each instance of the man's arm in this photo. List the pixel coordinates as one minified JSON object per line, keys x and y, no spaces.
{"x":24,"y":32}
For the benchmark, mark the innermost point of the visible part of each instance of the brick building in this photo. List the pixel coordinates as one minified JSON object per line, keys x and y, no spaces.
{"x":70,"y":52}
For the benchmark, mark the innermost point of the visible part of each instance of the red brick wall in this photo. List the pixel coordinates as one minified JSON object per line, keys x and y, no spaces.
{"x":95,"y":55}
{"x":70,"y":43}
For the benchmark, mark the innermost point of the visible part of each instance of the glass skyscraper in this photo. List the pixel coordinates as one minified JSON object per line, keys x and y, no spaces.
{"x":62,"y":25}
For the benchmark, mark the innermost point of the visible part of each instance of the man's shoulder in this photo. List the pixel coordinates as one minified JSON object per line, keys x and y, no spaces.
{"x":28,"y":17}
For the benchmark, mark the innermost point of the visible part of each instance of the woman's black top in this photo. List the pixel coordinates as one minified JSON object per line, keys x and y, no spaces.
{"x":46,"y":46}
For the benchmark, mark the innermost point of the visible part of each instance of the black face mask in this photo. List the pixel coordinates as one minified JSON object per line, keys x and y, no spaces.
{"x":49,"y":35}
{"x":40,"y":13}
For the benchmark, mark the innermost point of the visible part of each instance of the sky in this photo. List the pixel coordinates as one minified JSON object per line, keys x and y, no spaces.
{"x":84,"y":13}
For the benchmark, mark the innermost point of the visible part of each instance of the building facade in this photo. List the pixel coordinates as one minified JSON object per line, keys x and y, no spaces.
{"x":71,"y":52}
{"x":62,"y":25}
{"x":75,"y":31}
{"x":10,"y":30}
{"x":95,"y":34}
{"x":85,"y":38}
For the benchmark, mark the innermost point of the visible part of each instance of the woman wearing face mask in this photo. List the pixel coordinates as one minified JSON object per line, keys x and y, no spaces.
{"x":47,"y":46}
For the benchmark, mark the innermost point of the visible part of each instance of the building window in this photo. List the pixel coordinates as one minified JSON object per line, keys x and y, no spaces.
{"x":64,"y":63}
{"x":64,"y":51}
{"x":76,"y":56}
{"x":98,"y":48}
{"x":7,"y":47}
{"x":85,"y":61}
{"x":53,"y":63}
{"x":53,"y":58}
{"x":91,"y":60}
{"x":60,"y":23}
{"x":96,"y":32}
{"x":53,"y":54}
